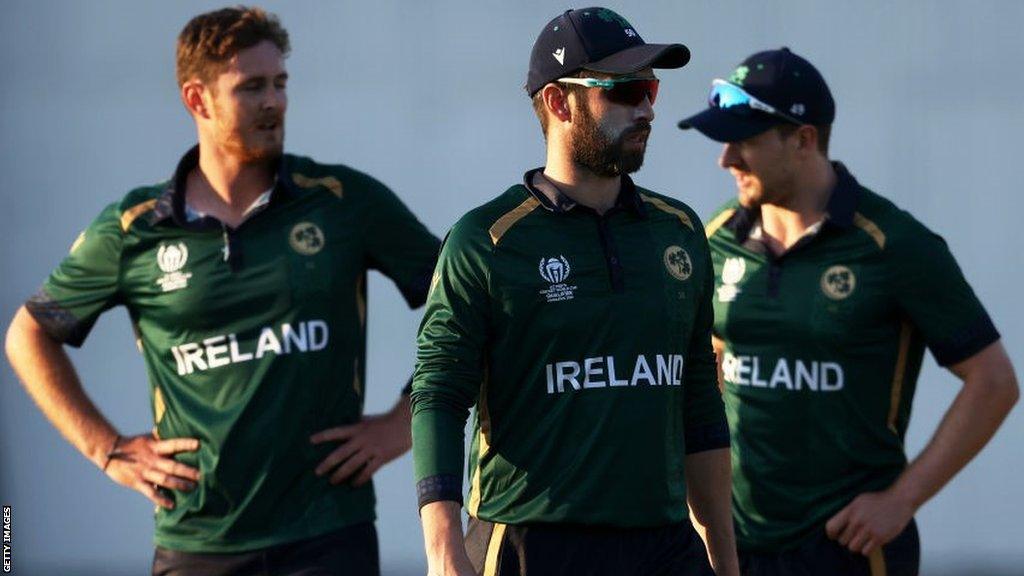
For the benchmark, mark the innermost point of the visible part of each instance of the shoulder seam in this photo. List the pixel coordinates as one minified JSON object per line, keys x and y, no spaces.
{"x":718,"y":221}
{"x":329,"y":182}
{"x":509,"y":219}
{"x":872,"y":229}
{"x":665,"y":207}
{"x":129,"y":215}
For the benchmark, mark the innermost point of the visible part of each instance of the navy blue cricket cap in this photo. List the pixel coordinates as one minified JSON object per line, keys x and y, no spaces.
{"x":595,"y":39}
{"x":779,"y":78}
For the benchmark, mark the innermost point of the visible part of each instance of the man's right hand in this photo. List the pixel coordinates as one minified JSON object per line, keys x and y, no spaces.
{"x":145,"y":464}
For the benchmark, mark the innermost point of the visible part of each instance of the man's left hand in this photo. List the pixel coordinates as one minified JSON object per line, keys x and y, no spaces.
{"x":365,"y":446}
{"x":873,"y":519}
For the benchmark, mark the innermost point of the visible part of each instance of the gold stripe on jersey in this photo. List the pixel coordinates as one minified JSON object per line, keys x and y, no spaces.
{"x":361,"y":299}
{"x":329,"y":182}
{"x":484,"y":448}
{"x":501,"y":225}
{"x":357,"y":383}
{"x":129,"y":215}
{"x":159,"y":408}
{"x":718,"y":221}
{"x":494,"y":550}
{"x":898,"y":374}
{"x":664,"y":207}
{"x":868,"y":226}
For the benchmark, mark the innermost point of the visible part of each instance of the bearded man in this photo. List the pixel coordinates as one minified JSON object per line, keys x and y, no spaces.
{"x":245,"y":279}
{"x":574,"y":313}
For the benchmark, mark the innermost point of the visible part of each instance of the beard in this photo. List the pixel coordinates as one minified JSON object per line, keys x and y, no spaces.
{"x":253,"y":145}
{"x":595,"y":150}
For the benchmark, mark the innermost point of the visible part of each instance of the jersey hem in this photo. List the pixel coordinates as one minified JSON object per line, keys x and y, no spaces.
{"x":201,"y":547}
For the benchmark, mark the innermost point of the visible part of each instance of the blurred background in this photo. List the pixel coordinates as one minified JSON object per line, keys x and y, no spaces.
{"x":427,"y":96}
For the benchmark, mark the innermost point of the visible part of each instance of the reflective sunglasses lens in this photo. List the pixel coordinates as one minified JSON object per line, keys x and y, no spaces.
{"x":632,"y":93}
{"x":729,"y":97}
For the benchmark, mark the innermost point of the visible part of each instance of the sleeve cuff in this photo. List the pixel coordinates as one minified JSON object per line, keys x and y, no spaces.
{"x":415,"y":293}
{"x":707,"y":437}
{"x":968,"y":343}
{"x":58,"y":323}
{"x":439,"y":488}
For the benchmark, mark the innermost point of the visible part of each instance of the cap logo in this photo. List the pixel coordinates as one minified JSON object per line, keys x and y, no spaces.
{"x":797,"y":109}
{"x":560,"y":55}
{"x":630,"y":33}
{"x":739,"y":75}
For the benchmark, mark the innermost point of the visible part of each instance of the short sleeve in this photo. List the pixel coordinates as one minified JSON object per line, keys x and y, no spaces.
{"x":84,"y":285}
{"x":399,"y":245}
{"x":932,"y":292}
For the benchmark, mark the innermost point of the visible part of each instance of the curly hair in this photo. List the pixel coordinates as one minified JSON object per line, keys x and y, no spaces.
{"x":210,"y":40}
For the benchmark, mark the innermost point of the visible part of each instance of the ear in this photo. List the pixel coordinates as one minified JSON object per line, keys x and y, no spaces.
{"x":557,"y":102}
{"x":192,"y":96}
{"x":808,"y":138}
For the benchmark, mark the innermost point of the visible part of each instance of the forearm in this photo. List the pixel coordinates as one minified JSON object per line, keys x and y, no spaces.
{"x":709,"y":494}
{"x":46,"y":372}
{"x":442,"y":538}
{"x":967,"y":426}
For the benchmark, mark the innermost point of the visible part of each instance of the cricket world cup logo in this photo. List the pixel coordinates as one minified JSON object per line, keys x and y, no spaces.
{"x":171,"y":258}
{"x":732,"y":272}
{"x":555,"y":271}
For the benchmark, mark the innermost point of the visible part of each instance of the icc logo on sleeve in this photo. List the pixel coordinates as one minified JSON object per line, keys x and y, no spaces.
{"x":171,"y":258}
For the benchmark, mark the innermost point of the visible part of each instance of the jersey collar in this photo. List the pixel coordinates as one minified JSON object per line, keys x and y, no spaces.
{"x":171,"y":203}
{"x":842,"y":204}
{"x":628,"y":197}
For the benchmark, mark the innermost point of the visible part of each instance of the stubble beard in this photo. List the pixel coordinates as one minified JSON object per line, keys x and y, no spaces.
{"x":249,"y":144}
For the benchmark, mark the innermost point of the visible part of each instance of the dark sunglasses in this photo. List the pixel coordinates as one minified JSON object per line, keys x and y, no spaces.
{"x":626,"y":90}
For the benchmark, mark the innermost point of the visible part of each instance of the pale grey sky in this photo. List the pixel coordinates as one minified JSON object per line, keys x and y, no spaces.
{"x":428,"y":98}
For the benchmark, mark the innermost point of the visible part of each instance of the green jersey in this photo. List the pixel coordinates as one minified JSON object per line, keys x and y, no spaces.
{"x":822,"y":348}
{"x":254,"y":338}
{"x":584,"y":342}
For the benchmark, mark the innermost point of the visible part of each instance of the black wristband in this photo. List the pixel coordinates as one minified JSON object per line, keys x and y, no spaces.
{"x":438,"y":488}
{"x":707,"y":437}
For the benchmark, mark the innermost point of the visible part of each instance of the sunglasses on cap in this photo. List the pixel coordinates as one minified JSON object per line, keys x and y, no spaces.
{"x":730,"y":97}
{"x":628,"y":90}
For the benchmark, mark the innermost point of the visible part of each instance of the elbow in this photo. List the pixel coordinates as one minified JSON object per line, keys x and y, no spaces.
{"x":24,"y":338}
{"x":1011,"y":391}
{"x":1003,"y":390}
{"x":15,"y":335}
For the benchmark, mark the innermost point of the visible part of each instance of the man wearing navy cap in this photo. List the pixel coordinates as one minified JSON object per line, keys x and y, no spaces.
{"x":826,"y":295}
{"x":573,"y":312}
